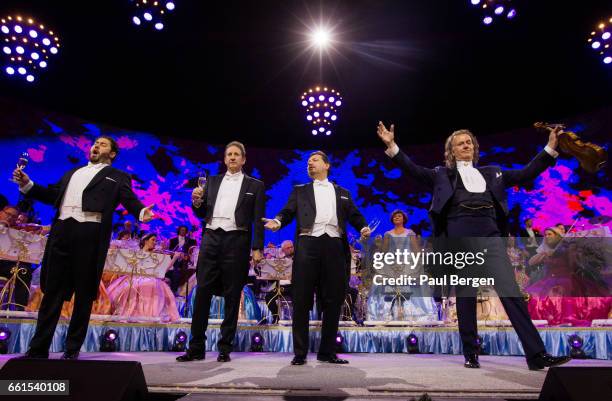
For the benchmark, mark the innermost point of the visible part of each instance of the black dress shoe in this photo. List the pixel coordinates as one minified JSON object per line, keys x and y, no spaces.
{"x":70,"y":355}
{"x":298,"y":360}
{"x":224,"y":357}
{"x":332,"y":359}
{"x":471,"y":361}
{"x":544,"y":360}
{"x":191,"y":356}
{"x":31,"y":354}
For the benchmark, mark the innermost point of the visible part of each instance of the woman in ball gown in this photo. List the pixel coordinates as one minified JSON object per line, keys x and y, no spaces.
{"x":410,"y":303}
{"x":572,"y":290}
{"x":145,"y":296}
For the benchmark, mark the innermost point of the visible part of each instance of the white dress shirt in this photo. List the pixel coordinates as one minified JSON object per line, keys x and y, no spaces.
{"x":471,"y":177}
{"x":72,"y":204}
{"x":224,"y":213}
{"x":326,"y":220}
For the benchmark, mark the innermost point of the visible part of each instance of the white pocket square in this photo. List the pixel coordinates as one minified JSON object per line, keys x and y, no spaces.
{"x":343,"y":197}
{"x":249,"y":193}
{"x":108,"y":178}
{"x":498,"y":174}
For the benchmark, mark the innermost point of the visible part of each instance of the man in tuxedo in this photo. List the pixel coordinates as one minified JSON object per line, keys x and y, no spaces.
{"x":322,"y":255}
{"x":470,"y":202}
{"x":530,"y":237}
{"x":232,"y":206}
{"x":181,"y":243}
{"x":85,"y":198}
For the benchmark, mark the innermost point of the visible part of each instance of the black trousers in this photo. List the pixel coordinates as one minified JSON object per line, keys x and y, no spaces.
{"x":319,"y":262}
{"x":515,"y":306}
{"x":223,"y":266}
{"x":72,"y":258}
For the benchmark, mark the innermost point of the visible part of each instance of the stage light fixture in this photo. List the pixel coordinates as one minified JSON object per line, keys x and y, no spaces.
{"x":599,"y":40}
{"x":339,"y":343}
{"x":108,"y":341}
{"x":180,"y":341}
{"x":321,"y":105}
{"x":25,"y":49}
{"x":413,"y":344}
{"x":576,"y":342}
{"x":5,"y":335}
{"x":320,"y":37}
{"x":493,"y":10}
{"x":257,"y":343}
{"x":151,"y":12}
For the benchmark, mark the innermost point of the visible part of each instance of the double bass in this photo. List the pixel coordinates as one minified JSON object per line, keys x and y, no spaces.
{"x":592,"y":157}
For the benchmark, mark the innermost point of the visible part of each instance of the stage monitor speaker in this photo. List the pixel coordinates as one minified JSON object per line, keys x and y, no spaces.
{"x":88,"y":380}
{"x":577,"y":384}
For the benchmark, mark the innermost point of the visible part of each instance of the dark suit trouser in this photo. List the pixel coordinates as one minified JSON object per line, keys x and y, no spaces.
{"x":319,"y":261}
{"x":515,"y":306}
{"x":72,"y":260}
{"x":224,"y":260}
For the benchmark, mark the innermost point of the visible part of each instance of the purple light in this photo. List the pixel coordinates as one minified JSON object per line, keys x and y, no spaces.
{"x":4,"y":334}
{"x":334,"y":117}
{"x":181,"y":337}
{"x":46,"y":41}
{"x":311,"y":99}
{"x":314,"y":132}
{"x":487,"y":20}
{"x":21,"y":70}
{"x":111,"y":335}
{"x":321,"y":98}
{"x":499,"y":10}
{"x":33,"y":34}
{"x":332,"y":99}
{"x":338,"y":103}
{"x":304,"y":103}
{"x":511,"y":14}
{"x":30,"y":78}
{"x":596,"y":45}
{"x":148,"y":16}
{"x":321,"y":129}
{"x":326,"y":114}
{"x":257,"y":339}
{"x":170,"y":5}
{"x":53,"y":50}
{"x":18,"y":29}
{"x":316,"y":114}
{"x":10,"y":70}
{"x":413,"y":340}
{"x":6,"y":50}
{"x":328,"y":133}
{"x":35,"y":56}
{"x":338,"y":337}
{"x":43,"y":64}
{"x":159,"y":26}
{"x":5,"y":29}
{"x":475,"y":2}
{"x":605,"y":35}
{"x":136,"y":20}
{"x":19,"y":49}
{"x":309,"y":117}
{"x":607,"y":60}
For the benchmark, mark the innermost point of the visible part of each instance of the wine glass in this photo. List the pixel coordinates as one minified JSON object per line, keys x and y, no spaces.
{"x":373,"y":225}
{"x":22,"y":162}
{"x":202,"y":179}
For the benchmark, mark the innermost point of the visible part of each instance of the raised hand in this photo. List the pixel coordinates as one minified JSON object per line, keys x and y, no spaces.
{"x":553,"y":137}
{"x":386,"y":135}
{"x":270,"y":224}
{"x":20,"y":177}
{"x":196,"y":196}
{"x":148,"y":214}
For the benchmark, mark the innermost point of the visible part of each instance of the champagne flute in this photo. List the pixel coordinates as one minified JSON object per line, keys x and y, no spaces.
{"x":373,"y":225}
{"x":22,"y":162}
{"x":201,"y":184}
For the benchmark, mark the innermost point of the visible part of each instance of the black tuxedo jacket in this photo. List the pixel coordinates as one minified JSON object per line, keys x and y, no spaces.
{"x":442,"y":181}
{"x":173,"y":243}
{"x":109,"y":188}
{"x":302,"y":206}
{"x":250,"y":209}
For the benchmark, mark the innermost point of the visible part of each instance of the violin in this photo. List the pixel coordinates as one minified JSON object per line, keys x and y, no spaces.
{"x":592,"y":157}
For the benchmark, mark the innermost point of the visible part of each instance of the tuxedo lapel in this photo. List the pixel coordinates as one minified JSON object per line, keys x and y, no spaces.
{"x":338,"y":208}
{"x":309,"y":188}
{"x":98,"y":177}
{"x":452,"y":177}
{"x":215,"y":184}
{"x":243,"y":188}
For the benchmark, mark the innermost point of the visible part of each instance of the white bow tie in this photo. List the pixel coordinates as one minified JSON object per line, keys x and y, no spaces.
{"x":322,"y":183}
{"x":232,"y":177}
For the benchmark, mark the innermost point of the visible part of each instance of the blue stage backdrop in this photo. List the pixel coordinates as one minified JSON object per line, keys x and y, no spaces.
{"x":164,"y":170}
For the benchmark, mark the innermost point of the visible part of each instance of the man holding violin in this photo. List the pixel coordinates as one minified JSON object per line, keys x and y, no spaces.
{"x":469,"y":206}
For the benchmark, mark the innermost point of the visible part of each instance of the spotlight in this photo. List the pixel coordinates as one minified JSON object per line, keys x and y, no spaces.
{"x":29,"y":53}
{"x":413,"y":344}
{"x":257,"y":343}
{"x":576,"y":342}
{"x":108,"y":341}
{"x":493,"y":10}
{"x":339,"y":343}
{"x":320,"y":37}
{"x":5,"y":335}
{"x":487,"y":20}
{"x":599,"y":40}
{"x":321,"y":105}
{"x":151,"y":13}
{"x":180,"y":340}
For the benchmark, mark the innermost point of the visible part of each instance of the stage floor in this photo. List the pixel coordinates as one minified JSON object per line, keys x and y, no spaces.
{"x":383,"y":376}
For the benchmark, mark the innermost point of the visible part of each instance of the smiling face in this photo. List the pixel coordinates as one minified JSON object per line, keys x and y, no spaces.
{"x":101,"y":152}
{"x":463,"y":147}
{"x":234,"y":159}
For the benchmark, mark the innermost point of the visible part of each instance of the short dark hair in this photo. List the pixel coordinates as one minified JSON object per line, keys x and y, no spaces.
{"x":178,"y":230}
{"x":323,"y":156}
{"x":237,"y":144}
{"x":404,"y":216}
{"x":113,"y":143}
